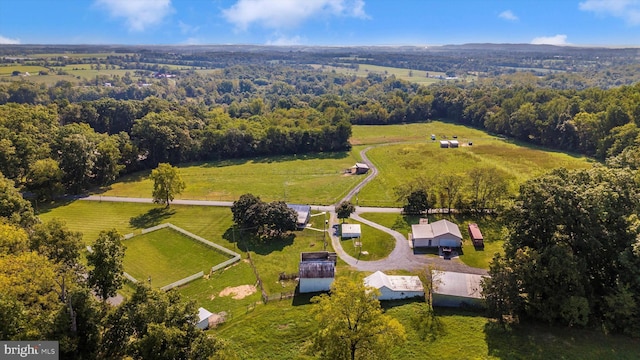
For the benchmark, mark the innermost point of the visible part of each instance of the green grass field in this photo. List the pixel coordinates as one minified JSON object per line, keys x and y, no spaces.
{"x":411,"y":75}
{"x":377,"y":244}
{"x":307,"y":179}
{"x":167,"y":256}
{"x":411,"y":158}
{"x":281,"y":330}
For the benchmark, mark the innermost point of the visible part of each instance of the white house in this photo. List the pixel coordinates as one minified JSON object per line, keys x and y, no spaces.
{"x":452,"y":289}
{"x":395,"y":287}
{"x":316,"y":271}
{"x":203,"y":318}
{"x":442,"y":233}
{"x":350,"y":231}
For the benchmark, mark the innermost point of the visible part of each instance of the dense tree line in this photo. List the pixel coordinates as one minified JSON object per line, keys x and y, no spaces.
{"x":573,"y":252}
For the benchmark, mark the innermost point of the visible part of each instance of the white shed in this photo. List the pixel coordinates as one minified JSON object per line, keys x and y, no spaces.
{"x":454,"y":143}
{"x":444,"y":144}
{"x":442,"y":233}
{"x":395,"y":287}
{"x":203,"y":318}
{"x":452,"y":289}
{"x":350,"y":231}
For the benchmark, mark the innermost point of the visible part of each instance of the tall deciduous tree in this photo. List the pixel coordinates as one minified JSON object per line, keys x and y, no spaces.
{"x":344,"y":210}
{"x":45,"y":179}
{"x":167,"y":183}
{"x":13,"y":206}
{"x":55,"y":241}
{"x":106,"y":258}
{"x":352,"y":325}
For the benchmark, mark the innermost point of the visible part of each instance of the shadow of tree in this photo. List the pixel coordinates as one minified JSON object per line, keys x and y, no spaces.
{"x":262,"y":245}
{"x":152,"y":217}
{"x":428,"y":325}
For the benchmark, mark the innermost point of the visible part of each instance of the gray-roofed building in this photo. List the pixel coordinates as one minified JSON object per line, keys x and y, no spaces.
{"x":452,"y":289}
{"x":360,"y":168}
{"x":395,"y":287}
{"x":303,"y":214}
{"x":442,"y":233}
{"x":316,"y":271}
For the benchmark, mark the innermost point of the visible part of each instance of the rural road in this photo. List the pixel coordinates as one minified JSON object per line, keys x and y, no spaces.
{"x":401,"y":258}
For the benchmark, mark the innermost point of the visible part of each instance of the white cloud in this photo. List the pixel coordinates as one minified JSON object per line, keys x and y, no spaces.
{"x":508,"y":15}
{"x":629,"y":10}
{"x":8,"y":41}
{"x":186,"y":28}
{"x":139,"y":14}
{"x":550,"y":40}
{"x":286,"y":41}
{"x":279,"y":14}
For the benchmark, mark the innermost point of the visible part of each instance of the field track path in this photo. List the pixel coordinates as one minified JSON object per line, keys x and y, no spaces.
{"x":401,"y":258}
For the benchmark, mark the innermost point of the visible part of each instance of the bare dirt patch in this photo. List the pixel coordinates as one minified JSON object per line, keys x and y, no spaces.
{"x":238,"y":292}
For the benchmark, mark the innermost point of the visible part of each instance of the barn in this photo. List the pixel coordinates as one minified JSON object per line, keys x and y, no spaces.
{"x":476,"y":236}
{"x":203,"y":318}
{"x":395,"y":287}
{"x":350,"y":231}
{"x":452,"y":289}
{"x":316,"y":271}
{"x":442,"y":233}
{"x":360,"y":168}
{"x":303,"y":214}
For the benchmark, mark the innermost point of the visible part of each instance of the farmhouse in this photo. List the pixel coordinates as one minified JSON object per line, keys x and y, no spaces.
{"x":442,"y":233}
{"x":360,"y":168}
{"x":203,"y":318}
{"x":476,"y":235}
{"x":304,"y":214}
{"x":350,"y":231}
{"x":395,"y":287}
{"x":316,"y":271}
{"x":452,"y":289}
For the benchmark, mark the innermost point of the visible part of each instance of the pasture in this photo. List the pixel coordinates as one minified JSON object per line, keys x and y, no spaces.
{"x":415,"y":76}
{"x":402,"y":157}
{"x":166,"y":255}
{"x":282,"y":329}
{"x":304,"y":179}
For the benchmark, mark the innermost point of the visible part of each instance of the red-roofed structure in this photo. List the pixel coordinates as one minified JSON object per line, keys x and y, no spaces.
{"x":475,"y":235}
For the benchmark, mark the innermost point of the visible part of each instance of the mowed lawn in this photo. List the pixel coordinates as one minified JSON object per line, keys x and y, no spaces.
{"x":167,"y":255}
{"x":91,"y":217}
{"x":307,"y":179}
{"x":415,"y":156}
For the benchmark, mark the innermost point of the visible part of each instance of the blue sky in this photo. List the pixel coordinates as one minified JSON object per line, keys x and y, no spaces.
{"x":320,"y":22}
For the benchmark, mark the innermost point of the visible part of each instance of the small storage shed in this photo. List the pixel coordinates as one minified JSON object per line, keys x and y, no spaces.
{"x":350,"y":231}
{"x":454,"y":143}
{"x":316,"y":271}
{"x":444,"y":144}
{"x":476,"y":235}
{"x":452,"y":289}
{"x":442,"y":233}
{"x":360,"y":168}
{"x":395,"y":287}
{"x":303,"y":214}
{"x":203,"y":318}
